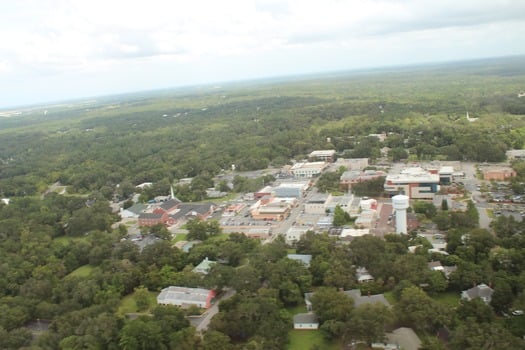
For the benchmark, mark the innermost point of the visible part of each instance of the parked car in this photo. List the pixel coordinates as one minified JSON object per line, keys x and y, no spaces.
{"x":517,"y":312}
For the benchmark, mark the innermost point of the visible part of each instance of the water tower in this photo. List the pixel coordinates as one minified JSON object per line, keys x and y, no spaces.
{"x":401,"y":203}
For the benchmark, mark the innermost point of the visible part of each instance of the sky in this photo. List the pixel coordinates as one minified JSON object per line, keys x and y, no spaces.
{"x":55,"y":50}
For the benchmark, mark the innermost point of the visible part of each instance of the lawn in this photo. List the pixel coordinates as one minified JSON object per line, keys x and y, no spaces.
{"x":128,"y":305}
{"x":180,"y":237}
{"x":307,"y":339}
{"x":447,"y":298}
{"x":82,"y":271}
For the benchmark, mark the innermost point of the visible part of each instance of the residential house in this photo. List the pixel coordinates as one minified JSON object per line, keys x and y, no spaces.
{"x":185,"y":297}
{"x":362,"y":275}
{"x":134,"y":211}
{"x":447,"y":270}
{"x":480,"y":291}
{"x":400,"y":338}
{"x":306,"y":321}
{"x":355,"y":294}
{"x":305,"y":259}
{"x":204,"y":266}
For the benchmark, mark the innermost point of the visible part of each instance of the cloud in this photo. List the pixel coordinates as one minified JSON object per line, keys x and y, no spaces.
{"x":61,"y":37}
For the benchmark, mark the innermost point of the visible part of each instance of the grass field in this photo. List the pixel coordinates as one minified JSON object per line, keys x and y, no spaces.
{"x":82,"y":271}
{"x":128,"y":305}
{"x":309,"y":339}
{"x":447,"y":298}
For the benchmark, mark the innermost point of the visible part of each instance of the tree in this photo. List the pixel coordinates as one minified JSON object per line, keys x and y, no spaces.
{"x":472,"y":335}
{"x":141,"y":297}
{"x":415,"y":309}
{"x":330,"y":304}
{"x":141,"y":334}
{"x":341,"y":217}
{"x":444,"y":204}
{"x":369,"y":322}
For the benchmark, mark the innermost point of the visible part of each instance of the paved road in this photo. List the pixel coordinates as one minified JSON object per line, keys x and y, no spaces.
{"x":212,"y":311}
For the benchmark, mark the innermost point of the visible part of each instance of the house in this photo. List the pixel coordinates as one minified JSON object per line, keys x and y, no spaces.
{"x":366,"y":299}
{"x":514,"y":154}
{"x":355,"y":294}
{"x":362,"y":275}
{"x":306,"y":321}
{"x":186,"y":246}
{"x":480,"y":291}
{"x":447,"y":270}
{"x":401,"y":338}
{"x":305,"y":259}
{"x":204,"y":267}
{"x":185,"y":297}
{"x":134,"y":211}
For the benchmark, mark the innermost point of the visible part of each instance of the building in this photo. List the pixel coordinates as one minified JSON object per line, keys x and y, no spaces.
{"x":188,"y":211}
{"x":416,"y":183}
{"x":498,"y":173}
{"x":351,"y":177}
{"x":362,"y":275}
{"x":317,"y":204}
{"x":308,"y":170}
{"x":355,"y":294}
{"x":265,"y":191}
{"x":204,"y":266}
{"x":306,"y":321}
{"x":481,"y":291}
{"x":291,"y":189}
{"x":514,"y":154}
{"x":357,"y":164}
{"x":134,"y":211}
{"x":322,"y":155}
{"x":152,"y":219}
{"x":185,"y":297}
{"x":447,"y":270}
{"x":294,"y":234}
{"x":446,"y":175}
{"x":305,"y":259}
{"x":272,"y":209}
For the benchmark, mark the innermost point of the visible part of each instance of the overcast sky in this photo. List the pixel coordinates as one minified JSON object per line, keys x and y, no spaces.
{"x":52,"y":50}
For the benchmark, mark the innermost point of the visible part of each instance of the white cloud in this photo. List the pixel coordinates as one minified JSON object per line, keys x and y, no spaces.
{"x":58,"y":37}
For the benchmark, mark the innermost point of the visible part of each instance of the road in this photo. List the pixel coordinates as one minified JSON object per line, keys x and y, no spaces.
{"x":212,"y":311}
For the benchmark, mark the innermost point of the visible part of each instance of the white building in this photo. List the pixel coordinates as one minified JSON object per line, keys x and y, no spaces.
{"x":291,"y":189}
{"x":308,"y":170}
{"x":294,"y":234}
{"x":322,"y":155}
{"x":414,"y":182}
{"x":184,"y":297}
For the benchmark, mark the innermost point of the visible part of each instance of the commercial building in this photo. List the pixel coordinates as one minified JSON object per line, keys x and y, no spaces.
{"x":185,"y":297}
{"x":317,"y":204}
{"x":498,"y":173}
{"x":416,"y":183}
{"x":291,"y":189}
{"x":351,"y":177}
{"x":308,"y":170}
{"x":294,"y":234}
{"x":322,"y":155}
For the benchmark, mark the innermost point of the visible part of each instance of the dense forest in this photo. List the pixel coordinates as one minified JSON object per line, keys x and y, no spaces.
{"x":64,"y":263}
